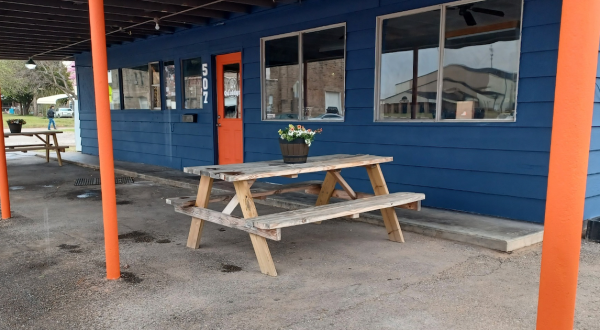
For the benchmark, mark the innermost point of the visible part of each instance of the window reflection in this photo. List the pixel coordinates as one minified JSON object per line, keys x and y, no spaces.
{"x":136,"y":84}
{"x":409,"y":66}
{"x":113,"y":89}
{"x":169,"y":88}
{"x":481,"y":60}
{"x":192,"y":83}
{"x":155,"y":86}
{"x":282,"y":78}
{"x":323,"y":55}
{"x":231,"y":90}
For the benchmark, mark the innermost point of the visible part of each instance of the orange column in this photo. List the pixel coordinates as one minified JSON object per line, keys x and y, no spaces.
{"x":105,"y":146}
{"x":569,"y":152}
{"x":4,"y":194}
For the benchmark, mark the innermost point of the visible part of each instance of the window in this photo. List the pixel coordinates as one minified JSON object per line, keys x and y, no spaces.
{"x":136,"y":87}
{"x":231,"y":88}
{"x":114,"y":91}
{"x":155,"y":90}
{"x":304,"y":75}
{"x":169,"y":88}
{"x":192,"y":83}
{"x":450,"y":62}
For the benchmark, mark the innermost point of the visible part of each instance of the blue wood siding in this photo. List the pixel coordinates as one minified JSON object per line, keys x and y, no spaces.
{"x":592,"y":194}
{"x":497,"y":169}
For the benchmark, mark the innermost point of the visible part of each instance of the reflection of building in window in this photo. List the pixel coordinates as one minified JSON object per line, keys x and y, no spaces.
{"x":491,"y":90}
{"x":480,"y":55}
{"x":136,"y":82}
{"x":169,"y":88}
{"x":192,"y":83}
{"x":155,"y":90}
{"x":313,"y":89}
{"x":113,"y":89}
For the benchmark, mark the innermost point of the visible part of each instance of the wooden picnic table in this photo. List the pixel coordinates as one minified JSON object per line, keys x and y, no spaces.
{"x":43,"y":136}
{"x":269,"y":226}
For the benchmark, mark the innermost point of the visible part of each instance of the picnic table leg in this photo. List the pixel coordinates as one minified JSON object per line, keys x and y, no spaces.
{"x":202,"y":199}
{"x":57,"y":150}
{"x":261,"y":248}
{"x":326,"y":192}
{"x":47,"y":148}
{"x":390,"y":219}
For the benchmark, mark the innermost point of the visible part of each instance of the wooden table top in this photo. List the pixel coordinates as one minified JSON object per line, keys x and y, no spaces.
{"x":31,"y":133}
{"x":275,"y":168}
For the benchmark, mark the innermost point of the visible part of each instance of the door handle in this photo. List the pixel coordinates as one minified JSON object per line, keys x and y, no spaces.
{"x":218,"y":125}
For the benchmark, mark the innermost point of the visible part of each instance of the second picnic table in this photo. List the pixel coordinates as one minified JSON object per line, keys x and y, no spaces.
{"x":269,"y":226}
{"x":43,"y":136}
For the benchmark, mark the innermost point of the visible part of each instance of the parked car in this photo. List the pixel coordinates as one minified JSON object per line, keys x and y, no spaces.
{"x":63,"y":113}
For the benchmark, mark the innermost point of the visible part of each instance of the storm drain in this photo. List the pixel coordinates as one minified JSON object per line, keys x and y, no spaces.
{"x":96,"y":181}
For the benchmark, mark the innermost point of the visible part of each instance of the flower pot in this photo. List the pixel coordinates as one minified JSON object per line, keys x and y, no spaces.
{"x":294,"y":152}
{"x":15,"y":128}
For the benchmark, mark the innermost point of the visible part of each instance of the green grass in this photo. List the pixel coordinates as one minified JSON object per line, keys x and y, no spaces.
{"x":39,"y":122}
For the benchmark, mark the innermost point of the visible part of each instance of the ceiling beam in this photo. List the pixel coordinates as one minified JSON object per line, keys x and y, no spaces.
{"x":83,"y":20}
{"x":6,"y":30}
{"x":259,"y":3}
{"x":131,"y":8}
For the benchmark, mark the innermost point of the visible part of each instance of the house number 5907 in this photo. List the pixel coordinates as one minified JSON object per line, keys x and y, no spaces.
{"x":205,"y":82}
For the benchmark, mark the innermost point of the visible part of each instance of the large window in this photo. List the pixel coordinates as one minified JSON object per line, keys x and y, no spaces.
{"x":136,"y":87}
{"x":303,"y":75}
{"x":192,"y":83}
{"x":449,"y":62}
{"x":114,"y":92}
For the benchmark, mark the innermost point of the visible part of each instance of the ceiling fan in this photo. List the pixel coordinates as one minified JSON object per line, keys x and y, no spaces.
{"x":465,"y":12}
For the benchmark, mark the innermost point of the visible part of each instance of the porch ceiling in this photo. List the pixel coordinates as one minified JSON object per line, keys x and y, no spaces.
{"x":58,"y":29}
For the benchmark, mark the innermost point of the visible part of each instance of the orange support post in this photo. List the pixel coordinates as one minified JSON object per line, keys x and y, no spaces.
{"x":569,"y":152}
{"x":105,"y":145}
{"x":4,"y":194}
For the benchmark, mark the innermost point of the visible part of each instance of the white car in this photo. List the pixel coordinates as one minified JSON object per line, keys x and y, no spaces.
{"x":63,"y":113}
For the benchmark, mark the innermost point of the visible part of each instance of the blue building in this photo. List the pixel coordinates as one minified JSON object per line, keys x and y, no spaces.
{"x":461,"y":94}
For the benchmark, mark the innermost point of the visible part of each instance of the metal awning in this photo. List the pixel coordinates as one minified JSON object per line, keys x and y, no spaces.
{"x":51,"y":99}
{"x":58,"y":29}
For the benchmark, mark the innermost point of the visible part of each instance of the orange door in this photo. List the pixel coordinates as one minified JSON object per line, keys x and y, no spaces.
{"x":229,"y":109}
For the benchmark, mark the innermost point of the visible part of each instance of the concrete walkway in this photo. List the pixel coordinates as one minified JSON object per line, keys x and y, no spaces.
{"x":490,"y":232}
{"x":338,"y":275}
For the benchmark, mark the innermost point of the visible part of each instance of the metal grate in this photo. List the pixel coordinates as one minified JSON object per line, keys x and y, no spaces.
{"x":96,"y":181}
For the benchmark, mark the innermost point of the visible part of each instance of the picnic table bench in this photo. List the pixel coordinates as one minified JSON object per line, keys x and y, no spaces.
{"x":43,"y":136}
{"x":269,"y":226}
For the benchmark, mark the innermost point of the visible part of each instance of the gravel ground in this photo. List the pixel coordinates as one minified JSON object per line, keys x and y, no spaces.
{"x":338,"y":275}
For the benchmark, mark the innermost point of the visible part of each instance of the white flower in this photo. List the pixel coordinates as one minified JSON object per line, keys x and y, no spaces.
{"x":307,"y":141}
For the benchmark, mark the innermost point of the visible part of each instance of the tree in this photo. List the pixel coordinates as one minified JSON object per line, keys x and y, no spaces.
{"x":55,"y":75}
{"x":25,"y":86}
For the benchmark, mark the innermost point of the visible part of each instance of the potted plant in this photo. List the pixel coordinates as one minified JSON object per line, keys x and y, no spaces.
{"x":294,"y":143}
{"x":15,"y":125}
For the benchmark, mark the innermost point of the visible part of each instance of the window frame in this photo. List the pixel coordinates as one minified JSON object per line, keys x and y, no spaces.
{"x":263,"y":78}
{"x":442,"y":45}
